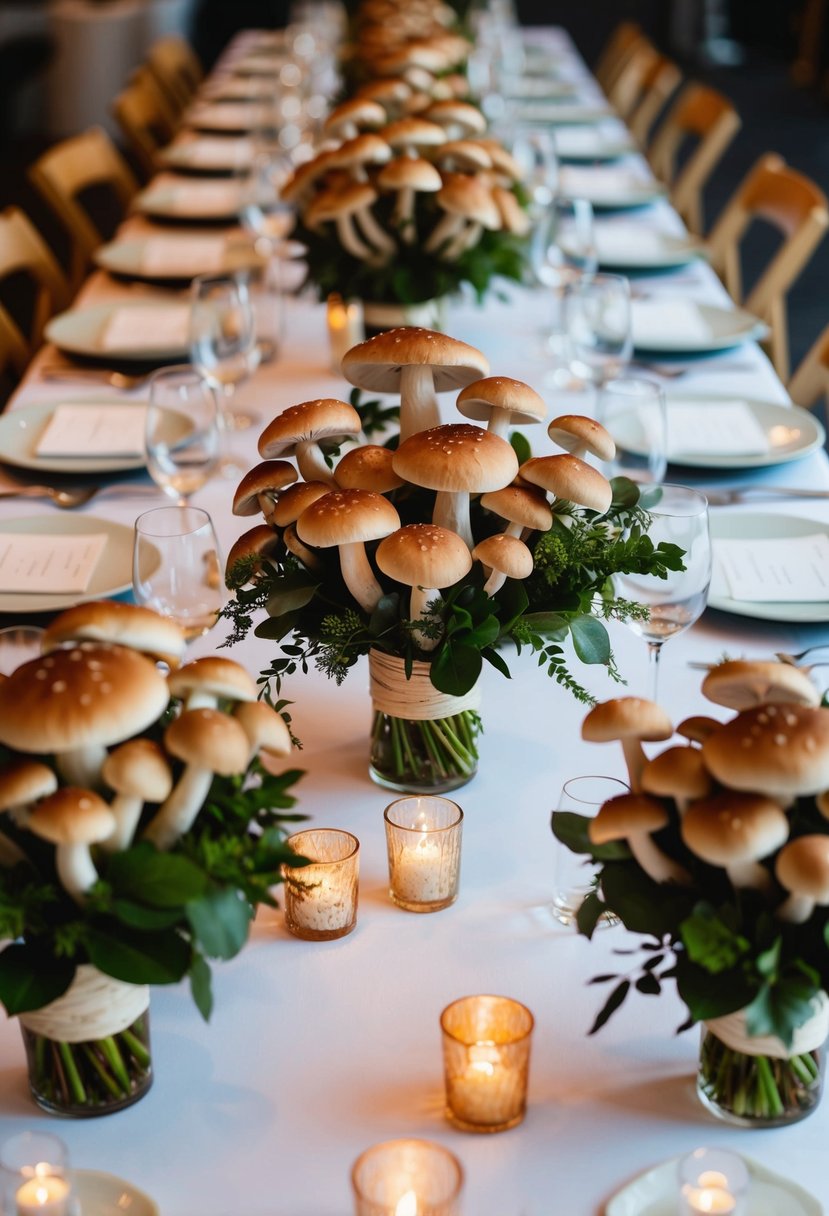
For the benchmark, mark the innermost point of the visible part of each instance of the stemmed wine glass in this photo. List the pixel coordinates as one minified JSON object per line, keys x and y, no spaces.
{"x":263,"y":212}
{"x":679,"y":516}
{"x":635,"y":413}
{"x":177,"y":568}
{"x":182,"y":431}
{"x":223,"y":338}
{"x":597,"y":322}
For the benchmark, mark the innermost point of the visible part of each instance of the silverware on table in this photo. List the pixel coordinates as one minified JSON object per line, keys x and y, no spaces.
{"x":669,"y":371}
{"x":66,"y":499}
{"x":91,"y":375}
{"x":727,"y":498}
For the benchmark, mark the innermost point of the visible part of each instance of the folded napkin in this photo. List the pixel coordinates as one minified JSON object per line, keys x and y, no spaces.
{"x":615,"y":243}
{"x":794,"y":569}
{"x":661,"y":323}
{"x":228,"y":115}
{"x":146,"y":327}
{"x":204,"y":199}
{"x":94,"y":430}
{"x":714,"y":428}
{"x":38,"y":564}
{"x":603,"y":183}
{"x":589,"y":141}
{"x":177,"y":255}
{"x":216,"y":152}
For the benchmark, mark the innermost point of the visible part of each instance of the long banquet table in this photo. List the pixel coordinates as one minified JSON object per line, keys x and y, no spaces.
{"x":317,"y":1050}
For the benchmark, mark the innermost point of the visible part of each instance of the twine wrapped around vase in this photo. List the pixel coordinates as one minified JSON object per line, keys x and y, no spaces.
{"x":731,"y":1030}
{"x":416,"y":698}
{"x":94,"y":1006}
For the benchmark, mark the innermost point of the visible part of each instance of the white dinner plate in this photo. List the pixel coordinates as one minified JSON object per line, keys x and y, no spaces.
{"x":585,"y":145}
{"x":225,"y":116}
{"x":102,"y":1194}
{"x":191,"y":199}
{"x":81,"y":331}
{"x":127,"y":258}
{"x":734,"y":525}
{"x":20,"y":432}
{"x":621,"y":247}
{"x":538,"y":88}
{"x":791,"y":434}
{"x":112,"y":574}
{"x":655,"y":1193}
{"x":553,"y":113}
{"x":609,"y":188}
{"x":687,"y":327}
{"x":209,"y":154}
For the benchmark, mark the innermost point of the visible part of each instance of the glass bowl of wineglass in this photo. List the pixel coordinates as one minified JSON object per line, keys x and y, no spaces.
{"x":597,"y":322}
{"x":177,"y":567}
{"x":180,"y":458}
{"x":223,"y":339}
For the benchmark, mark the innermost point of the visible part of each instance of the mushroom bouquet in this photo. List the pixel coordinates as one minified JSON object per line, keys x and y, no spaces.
{"x":719,"y":858}
{"x":429,"y":557}
{"x":139,"y":833}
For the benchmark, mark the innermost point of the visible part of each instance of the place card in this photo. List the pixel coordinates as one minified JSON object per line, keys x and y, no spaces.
{"x":40,"y":564}
{"x":94,"y":430}
{"x":211,"y":153}
{"x":665,"y":322}
{"x":793,"y":569}
{"x":717,"y":428}
{"x":602,"y":183}
{"x":174,"y":255}
{"x":228,"y":116}
{"x":589,"y":141}
{"x":625,"y":242}
{"x":206,"y":198}
{"x":147,"y":327}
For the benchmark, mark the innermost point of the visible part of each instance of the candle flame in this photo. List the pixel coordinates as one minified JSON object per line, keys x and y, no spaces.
{"x":713,"y":1178}
{"x":406,"y":1205}
{"x":42,"y":1194}
{"x":484,"y":1068}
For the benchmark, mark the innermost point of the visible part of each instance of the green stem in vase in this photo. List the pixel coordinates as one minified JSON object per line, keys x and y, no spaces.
{"x":136,"y":1047}
{"x":100,"y":1070}
{"x":73,"y":1077}
{"x":109,"y":1047}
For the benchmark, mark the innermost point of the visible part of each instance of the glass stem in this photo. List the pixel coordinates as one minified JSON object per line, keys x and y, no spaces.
{"x":654,"y":651}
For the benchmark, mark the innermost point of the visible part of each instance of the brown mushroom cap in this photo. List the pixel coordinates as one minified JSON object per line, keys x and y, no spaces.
{"x":362,"y":150}
{"x":296,"y":499}
{"x":453,"y":113}
{"x":214,"y":675}
{"x":256,"y":542}
{"x":502,"y":160}
{"x":389,"y":92}
{"x":72,"y":816}
{"x":24,"y":782}
{"x":570,"y":479}
{"x":265,"y":728}
{"x":734,"y":827}
{"x":324,"y":420}
{"x":483,"y":397}
{"x":344,"y":517}
{"x":575,"y":432}
{"x":368,"y":467}
{"x":413,"y":133}
{"x":129,"y":625}
{"x":780,"y":749}
{"x":743,"y":684}
{"x":93,"y":694}
{"x":343,"y":201}
{"x":514,"y":218}
{"x":697,"y":728}
{"x":410,"y":173}
{"x":802,"y":867}
{"x":678,"y":772}
{"x":208,"y":739}
{"x":626,"y":815}
{"x":470,"y":198}
{"x":359,"y":111}
{"x":377,"y":363}
{"x":525,"y":506}
{"x":424,"y":555}
{"x":269,"y":477}
{"x":506,"y":554}
{"x":457,"y":457}
{"x":138,"y":767}
{"x":626,"y":718}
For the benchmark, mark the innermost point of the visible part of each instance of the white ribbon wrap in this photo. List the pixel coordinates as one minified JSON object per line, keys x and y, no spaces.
{"x":94,"y":1006}
{"x":731,"y":1030}
{"x":415,"y":698}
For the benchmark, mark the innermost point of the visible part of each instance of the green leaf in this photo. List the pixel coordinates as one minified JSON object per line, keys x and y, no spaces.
{"x":201,"y":987}
{"x":710,"y":943}
{"x":780,"y":1008}
{"x":162,"y":880}
{"x":140,"y":958}
{"x":220,"y":922}
{"x":273,"y":629}
{"x":30,"y":978}
{"x":290,"y":597}
{"x":643,"y":905}
{"x":625,"y":493}
{"x":549,"y":624}
{"x":588,"y":916}
{"x":572,"y":830}
{"x":499,"y":663}
{"x":455,"y":669}
{"x":484,"y":634}
{"x":610,"y":1006}
{"x":385,"y":614}
{"x":520,"y":444}
{"x":138,"y":917}
{"x":590,"y":640}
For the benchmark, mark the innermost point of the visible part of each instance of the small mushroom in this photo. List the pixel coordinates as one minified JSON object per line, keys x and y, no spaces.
{"x":265,"y":729}
{"x":425,"y":558}
{"x":347,"y":120}
{"x":582,"y":437}
{"x":294,"y":545}
{"x":571,"y":480}
{"x":204,"y":682}
{"x":744,"y":684}
{"x":524,"y":508}
{"x":633,"y":818}
{"x":408,"y":176}
{"x":468,"y":208}
{"x":678,"y":773}
{"x":341,"y":206}
{"x":802,"y":868}
{"x":347,"y":519}
{"x":697,"y":728}
{"x":505,"y":557}
{"x":629,"y":721}
{"x":138,"y":772}
{"x":22,"y":785}
{"x":260,"y":487}
{"x":251,"y":548}
{"x":300,"y":429}
{"x":368,"y":467}
{"x":110,"y":621}
{"x":736,"y":831}
{"x":458,"y":118}
{"x":501,"y":402}
{"x":72,"y":819}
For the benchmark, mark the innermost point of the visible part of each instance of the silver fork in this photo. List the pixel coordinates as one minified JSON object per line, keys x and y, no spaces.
{"x":66,"y":499}
{"x":91,"y":375}
{"x":726,"y":498}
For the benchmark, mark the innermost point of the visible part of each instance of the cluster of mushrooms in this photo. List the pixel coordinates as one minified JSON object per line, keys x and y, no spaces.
{"x":732,"y":785}
{"x":416,"y":42}
{"x":84,"y":773}
{"x":311,"y":507}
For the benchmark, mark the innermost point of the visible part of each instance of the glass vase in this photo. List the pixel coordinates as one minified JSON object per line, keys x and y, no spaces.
{"x":758,"y":1090}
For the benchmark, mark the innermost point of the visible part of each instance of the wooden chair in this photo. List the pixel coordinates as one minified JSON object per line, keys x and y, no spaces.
{"x":798,"y":209}
{"x":176,"y":67}
{"x":65,"y":173}
{"x":658,"y":86}
{"x":145,"y":118}
{"x":615,"y":51}
{"x":810,"y":383}
{"x":629,"y":87}
{"x":702,"y":114}
{"x":24,"y":252}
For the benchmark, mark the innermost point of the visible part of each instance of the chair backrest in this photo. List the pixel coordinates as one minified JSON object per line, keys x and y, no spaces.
{"x":810,"y":383}
{"x":69,"y":169}
{"x":24,"y":252}
{"x":706,"y":116}
{"x":145,"y":119}
{"x":14,"y":352}
{"x":798,"y":209}
{"x":176,"y":67}
{"x":658,"y":85}
{"x":629,"y":86}
{"x":620,"y":43}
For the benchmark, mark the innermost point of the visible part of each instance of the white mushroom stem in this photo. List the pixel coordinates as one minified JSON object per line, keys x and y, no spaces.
{"x":418,"y":611}
{"x":198,"y":698}
{"x":76,"y":870}
{"x":82,"y":767}
{"x":498,"y":424}
{"x":350,"y":241}
{"x":358,"y":575}
{"x":403,"y":217}
{"x":470,"y":236}
{"x":447,"y":227}
{"x":452,"y":512}
{"x":127,"y":811}
{"x":374,"y":233}
{"x":418,"y":403}
{"x":748,"y":874}
{"x":797,"y":909}
{"x":635,"y":759}
{"x":178,"y":812}
{"x":495,"y":582}
{"x":653,"y":861}
{"x":311,"y":462}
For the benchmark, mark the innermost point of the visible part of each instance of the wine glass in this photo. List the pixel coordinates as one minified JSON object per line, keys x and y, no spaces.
{"x":678,"y":515}
{"x":563,"y":244}
{"x":177,"y":567}
{"x":223,"y":338}
{"x":535,"y":152}
{"x":574,"y":875}
{"x":597,"y":322}
{"x":633,"y":410}
{"x":182,"y":431}
{"x":262,"y":211}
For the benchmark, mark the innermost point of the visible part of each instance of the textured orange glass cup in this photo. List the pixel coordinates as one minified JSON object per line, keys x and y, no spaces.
{"x":407,"y":1178}
{"x":486,"y":1057}
{"x":321,"y":898}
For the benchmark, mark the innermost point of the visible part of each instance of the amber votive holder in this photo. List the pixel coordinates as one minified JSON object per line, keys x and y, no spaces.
{"x":407,"y":1178}
{"x":423,"y":838}
{"x":321,"y":898}
{"x":486,"y":1057}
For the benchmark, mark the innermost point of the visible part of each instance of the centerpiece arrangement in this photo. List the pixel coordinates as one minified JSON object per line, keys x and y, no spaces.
{"x":140,"y":831}
{"x":431,"y":557}
{"x":719,"y":859}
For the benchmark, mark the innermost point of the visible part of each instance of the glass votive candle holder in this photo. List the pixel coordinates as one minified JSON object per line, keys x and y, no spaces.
{"x":712,"y":1180}
{"x":423,"y":838}
{"x":407,"y":1178}
{"x":321,"y":898}
{"x":34,"y":1174}
{"x":345,"y":327}
{"x":486,"y":1057}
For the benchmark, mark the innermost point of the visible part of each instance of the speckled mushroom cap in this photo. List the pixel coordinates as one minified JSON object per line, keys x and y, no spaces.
{"x":456,"y":457}
{"x":270,"y":476}
{"x":522,"y":505}
{"x":734,"y":827}
{"x":424,"y":555}
{"x":24,"y":782}
{"x":744,"y":684}
{"x":626,"y":815}
{"x":72,"y":816}
{"x":256,"y":542}
{"x":296,"y":499}
{"x":678,"y":772}
{"x":378,"y":362}
{"x":626,"y":718}
{"x":139,"y":767}
{"x":346,"y":517}
{"x":780,"y":749}
{"x":264,"y":727}
{"x":482,"y":398}
{"x":129,"y":625}
{"x":698,"y":727}
{"x":92,"y":694}
{"x":326,"y":419}
{"x":506,"y":554}
{"x":570,"y":479}
{"x":359,"y":111}
{"x":208,"y":739}
{"x":410,"y":173}
{"x":367,"y":467}
{"x":802,"y":867}
{"x":574,"y":431}
{"x":214,"y":675}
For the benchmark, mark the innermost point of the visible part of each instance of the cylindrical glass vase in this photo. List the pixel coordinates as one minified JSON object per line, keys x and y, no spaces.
{"x":422,"y":741}
{"x":88,"y":1052}
{"x":756,"y":1083}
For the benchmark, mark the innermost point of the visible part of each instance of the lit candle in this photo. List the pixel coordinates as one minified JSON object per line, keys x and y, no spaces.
{"x":345,"y":327}
{"x":321,"y":898}
{"x":702,"y":1201}
{"x":407,"y":1205}
{"x":486,"y":1078}
{"x":423,"y":837}
{"x":406,"y":1178}
{"x":712,"y":1181}
{"x":44,"y":1195}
